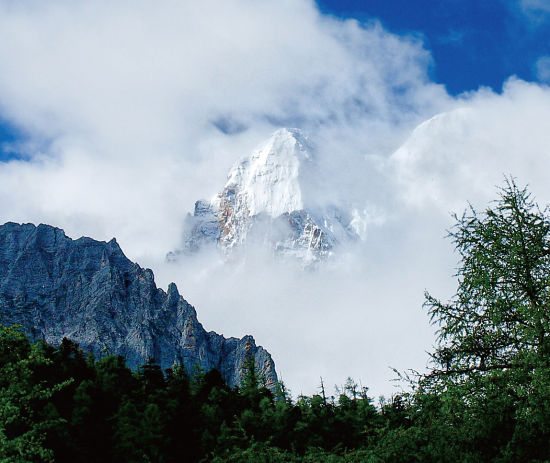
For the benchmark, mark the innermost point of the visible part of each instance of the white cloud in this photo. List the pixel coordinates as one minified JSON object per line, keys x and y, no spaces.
{"x":464,"y":154}
{"x":124,"y":96}
{"x":147,"y":73}
{"x":123,"y":101}
{"x":363,"y":314}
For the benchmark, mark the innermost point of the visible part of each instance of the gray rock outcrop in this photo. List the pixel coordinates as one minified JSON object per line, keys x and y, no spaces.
{"x":89,"y":292}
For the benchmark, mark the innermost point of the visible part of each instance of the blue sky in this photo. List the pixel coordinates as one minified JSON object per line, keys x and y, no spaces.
{"x":8,"y":134}
{"x":473,"y":42}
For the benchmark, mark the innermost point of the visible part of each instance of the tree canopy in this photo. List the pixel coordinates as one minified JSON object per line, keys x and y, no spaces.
{"x":499,"y":318}
{"x":485,"y":398}
{"x":490,"y":377}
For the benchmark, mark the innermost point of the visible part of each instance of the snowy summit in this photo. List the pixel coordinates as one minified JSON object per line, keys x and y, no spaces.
{"x":262,"y":203}
{"x":268,"y":181}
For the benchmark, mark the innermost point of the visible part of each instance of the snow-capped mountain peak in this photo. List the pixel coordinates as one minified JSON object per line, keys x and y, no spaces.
{"x":263,"y":202}
{"x":269,"y":180}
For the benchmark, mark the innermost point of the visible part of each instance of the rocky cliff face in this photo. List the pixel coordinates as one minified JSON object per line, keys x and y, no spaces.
{"x":263,"y":203}
{"x":89,"y":292}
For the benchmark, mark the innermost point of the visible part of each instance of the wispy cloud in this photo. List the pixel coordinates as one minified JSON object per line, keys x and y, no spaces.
{"x":542,"y":69}
{"x":536,"y":11}
{"x":536,"y":5}
{"x":453,"y":37}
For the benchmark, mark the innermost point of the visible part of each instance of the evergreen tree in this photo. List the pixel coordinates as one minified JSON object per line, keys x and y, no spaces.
{"x":500,"y":316}
{"x":27,"y":414}
{"x":492,"y":363}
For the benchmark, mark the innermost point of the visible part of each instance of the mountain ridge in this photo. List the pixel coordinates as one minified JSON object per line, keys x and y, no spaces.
{"x":91,"y":293}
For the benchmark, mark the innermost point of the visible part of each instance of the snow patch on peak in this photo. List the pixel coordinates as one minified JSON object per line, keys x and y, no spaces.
{"x":268,"y":181}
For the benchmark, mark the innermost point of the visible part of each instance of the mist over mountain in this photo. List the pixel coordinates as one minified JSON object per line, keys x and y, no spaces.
{"x":90,"y":293}
{"x":269,"y":200}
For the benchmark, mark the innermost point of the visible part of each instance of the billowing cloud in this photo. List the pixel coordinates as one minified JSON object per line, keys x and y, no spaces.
{"x":465,"y":153}
{"x":138,"y":108}
{"x":362,"y":313}
{"x":131,"y":111}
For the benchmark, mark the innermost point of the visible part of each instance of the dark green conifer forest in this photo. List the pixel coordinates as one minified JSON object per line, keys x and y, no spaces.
{"x":485,"y":397}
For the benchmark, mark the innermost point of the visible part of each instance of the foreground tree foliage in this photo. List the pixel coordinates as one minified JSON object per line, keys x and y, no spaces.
{"x":491,"y":374}
{"x":56,"y":404}
{"x":485,"y":399}
{"x":499,"y":319}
